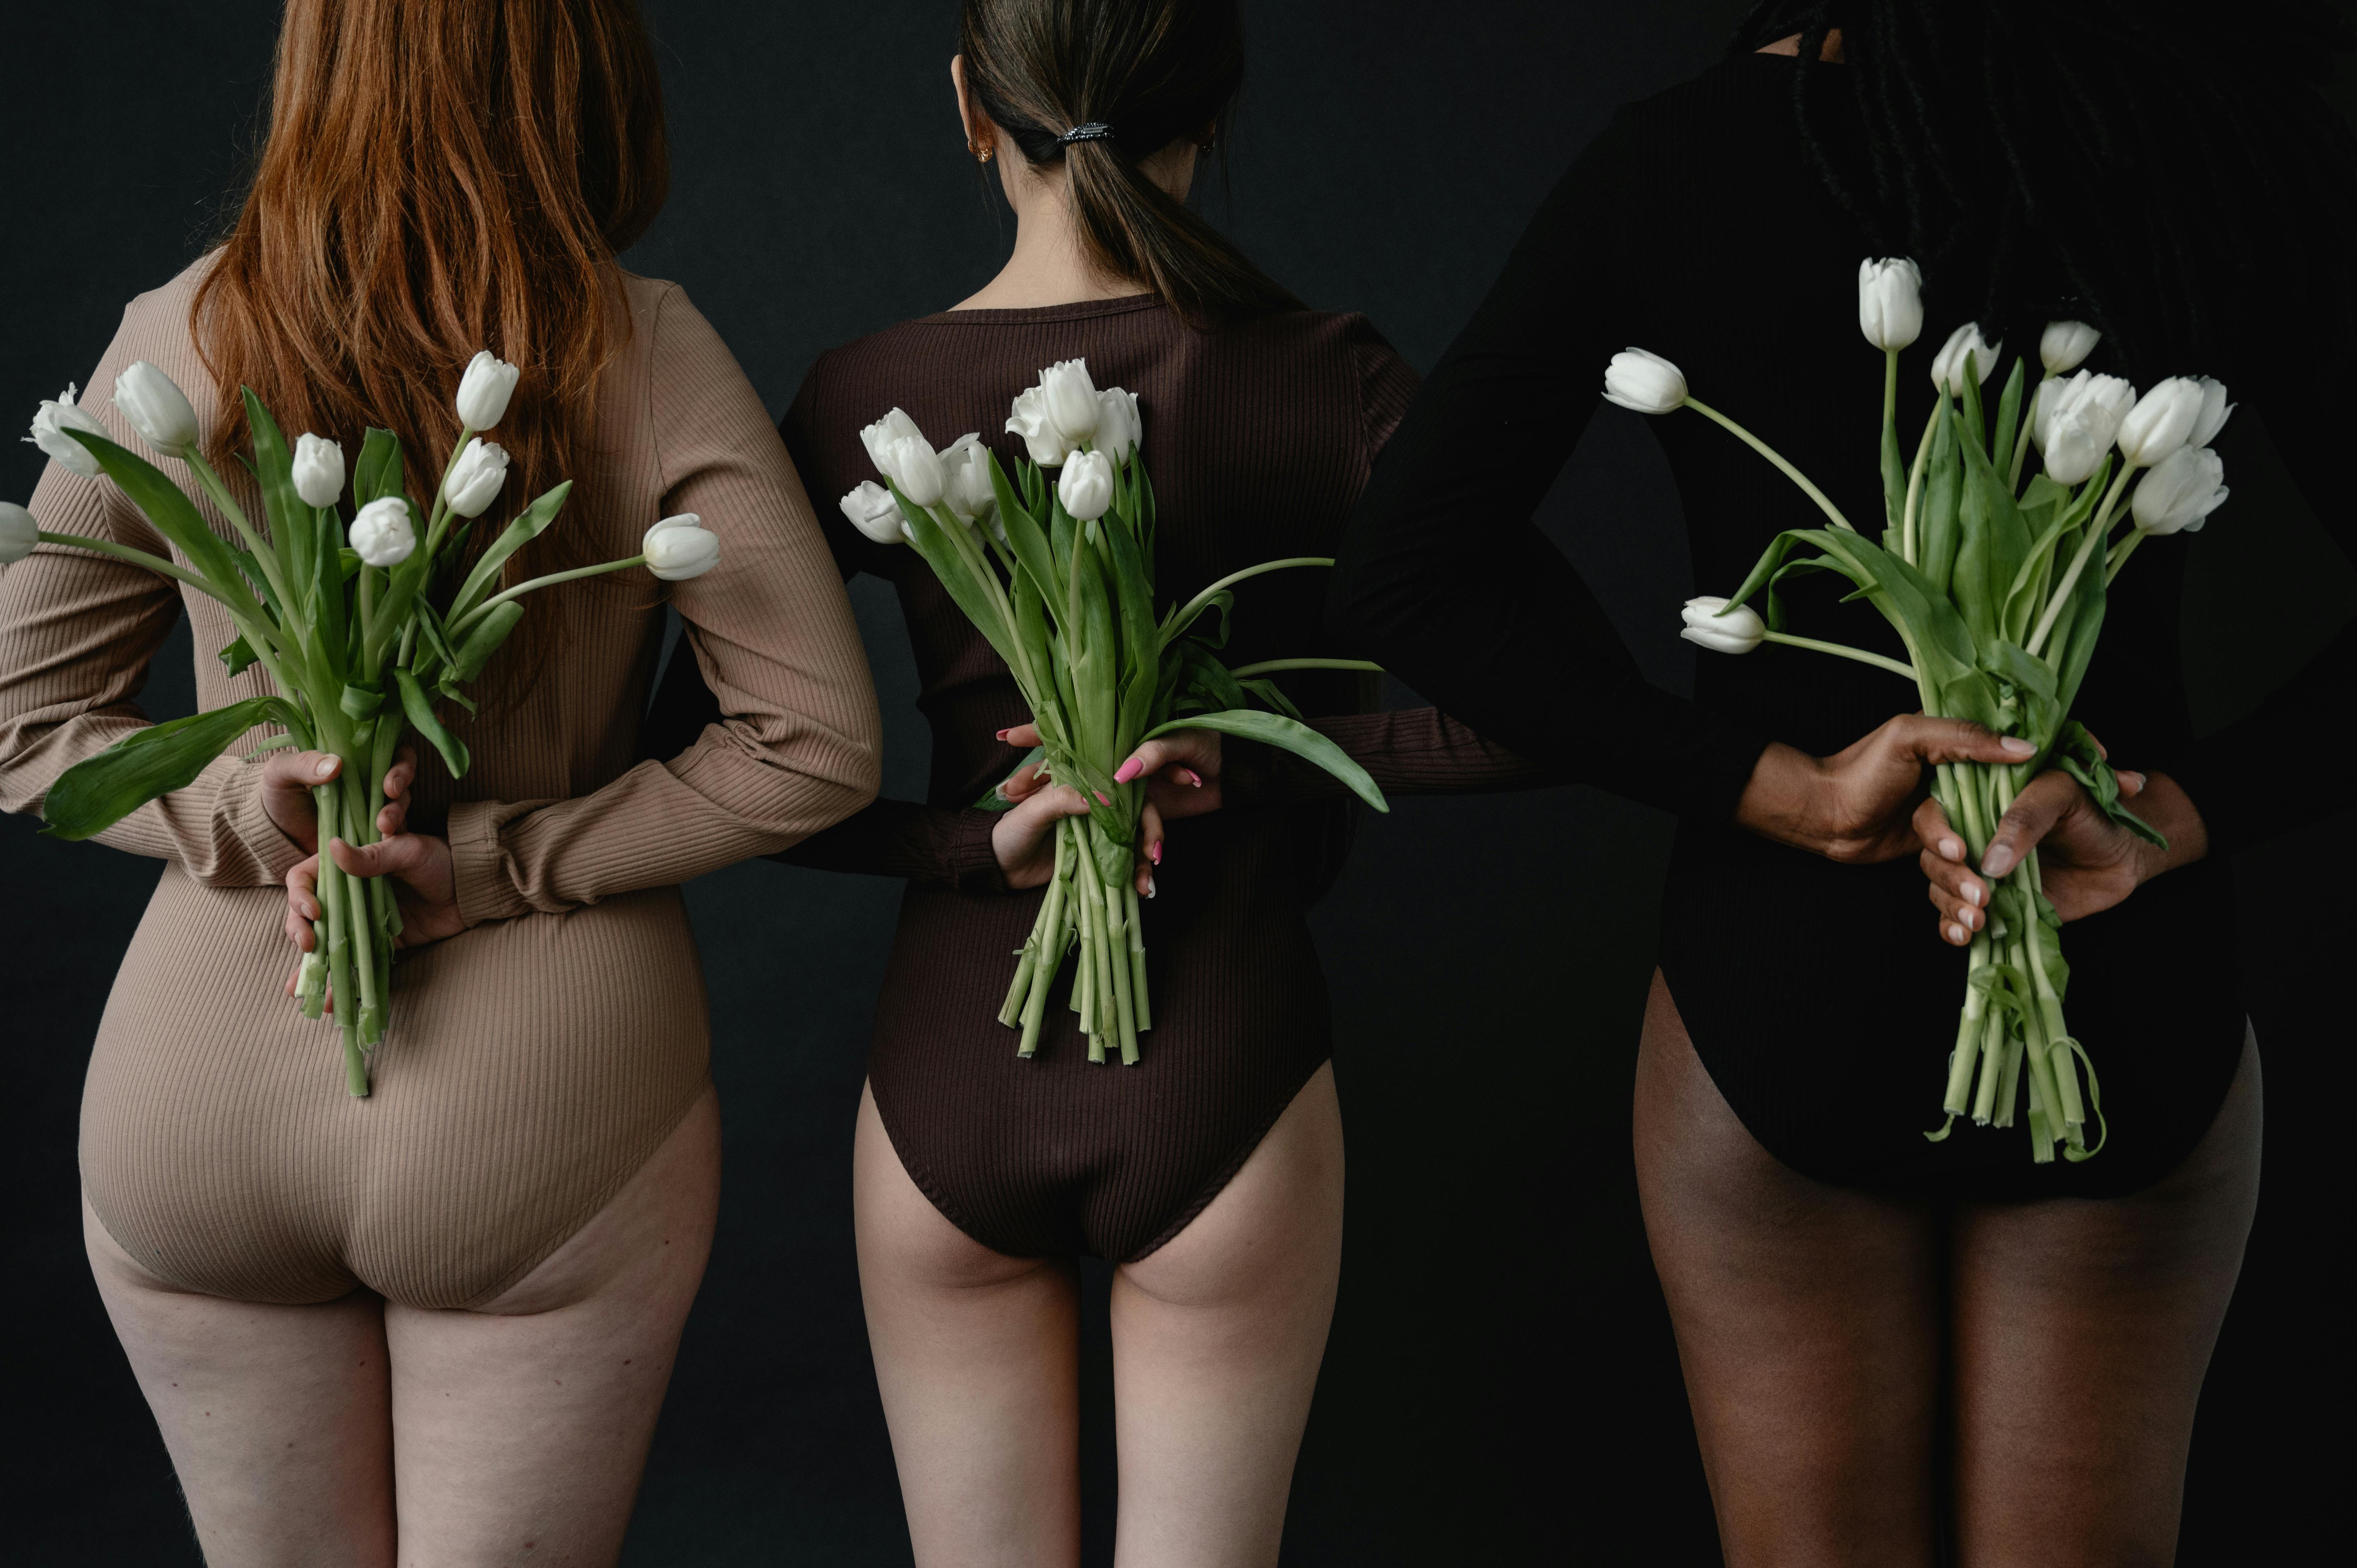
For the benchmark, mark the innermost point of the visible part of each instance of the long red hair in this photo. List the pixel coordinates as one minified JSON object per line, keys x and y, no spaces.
{"x":440,"y":177}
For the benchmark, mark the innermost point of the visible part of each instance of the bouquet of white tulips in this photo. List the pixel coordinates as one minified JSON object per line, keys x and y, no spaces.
{"x":1060,"y":576}
{"x":357,"y":627}
{"x":1996,"y":589}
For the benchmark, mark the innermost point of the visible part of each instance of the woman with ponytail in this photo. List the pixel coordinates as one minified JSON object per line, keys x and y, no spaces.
{"x":434,"y":1326}
{"x":1210,"y":1173}
{"x":1897,"y":1350}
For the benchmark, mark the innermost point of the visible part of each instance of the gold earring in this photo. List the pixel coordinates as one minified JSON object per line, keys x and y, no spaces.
{"x":982,"y":155}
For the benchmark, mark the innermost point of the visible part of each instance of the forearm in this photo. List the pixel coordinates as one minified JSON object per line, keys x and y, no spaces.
{"x":1412,"y":751}
{"x":935,"y":844}
{"x":2165,"y":804}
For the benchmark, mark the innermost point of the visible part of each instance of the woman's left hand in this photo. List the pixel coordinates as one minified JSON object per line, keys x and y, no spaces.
{"x":424,"y":881}
{"x":1181,"y":771}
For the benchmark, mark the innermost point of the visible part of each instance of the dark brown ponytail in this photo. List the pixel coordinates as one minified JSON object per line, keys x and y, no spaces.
{"x":1150,"y":72}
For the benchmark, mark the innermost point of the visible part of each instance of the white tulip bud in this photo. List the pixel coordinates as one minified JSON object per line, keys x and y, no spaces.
{"x":680,"y":547}
{"x":1071,"y":400}
{"x":879,"y":436}
{"x":1086,"y":486}
{"x":1118,"y":426}
{"x":475,"y":478}
{"x":50,"y":424}
{"x":1889,"y":301}
{"x":2160,"y":421}
{"x":1031,"y":421}
{"x":1739,"y":630}
{"x":875,"y":513}
{"x":157,"y":409}
{"x":911,"y":462}
{"x":966,"y":490}
{"x":383,"y":534}
{"x":2215,"y":411}
{"x":2182,"y":489}
{"x":319,"y":471}
{"x":2041,"y":410}
{"x":18,"y":533}
{"x":1948,"y":365}
{"x":2079,"y":420}
{"x":484,"y":391}
{"x":1646,"y":382}
{"x":2064,"y":346}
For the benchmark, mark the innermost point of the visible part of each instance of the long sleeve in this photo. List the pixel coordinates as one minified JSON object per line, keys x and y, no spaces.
{"x":1444,"y":578}
{"x":2258,"y":777}
{"x":1410,"y":751}
{"x":773,"y":636}
{"x":78,"y":631}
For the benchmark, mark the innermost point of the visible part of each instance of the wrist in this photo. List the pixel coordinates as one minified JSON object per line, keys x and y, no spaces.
{"x":1787,"y":799}
{"x":2165,"y":804}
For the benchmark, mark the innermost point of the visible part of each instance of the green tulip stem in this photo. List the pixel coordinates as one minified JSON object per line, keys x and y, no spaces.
{"x":460,"y":628}
{"x":2120,"y":553}
{"x":1194,"y":607}
{"x":260,"y":635}
{"x":265,"y":557}
{"x":1824,"y":502}
{"x":1842,"y":650}
{"x":1915,"y":481}
{"x":1270,"y":666}
{"x":438,"y":517}
{"x":2096,"y":533}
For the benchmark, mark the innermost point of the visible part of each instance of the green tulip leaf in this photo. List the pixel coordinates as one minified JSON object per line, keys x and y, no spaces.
{"x":1287,"y":735}
{"x":483,"y":640}
{"x":1266,"y":691}
{"x":2075,"y":753}
{"x":420,"y":709}
{"x":174,"y":515}
{"x":99,"y":791}
{"x":521,"y":533}
{"x":273,"y":475}
{"x":377,"y":474}
{"x":237,"y":657}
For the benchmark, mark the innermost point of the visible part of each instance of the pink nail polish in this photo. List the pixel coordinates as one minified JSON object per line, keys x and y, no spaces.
{"x":1004,"y":733}
{"x":1128,"y":770}
{"x":1154,"y":852}
{"x":1191,"y":778}
{"x":1101,"y":800}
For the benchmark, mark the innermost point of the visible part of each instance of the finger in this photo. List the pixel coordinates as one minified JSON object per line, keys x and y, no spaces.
{"x":402,"y":774}
{"x":1959,"y":740}
{"x":390,"y":820}
{"x":1931,"y":830}
{"x":299,"y":770}
{"x":2131,"y":785}
{"x":389,"y":858}
{"x":1187,"y":748}
{"x":2028,"y":820}
{"x":1149,"y":824}
{"x":1023,"y":737}
{"x":1961,"y":898}
{"x":1024,"y":782}
{"x":302,"y":881}
{"x":1038,"y":813}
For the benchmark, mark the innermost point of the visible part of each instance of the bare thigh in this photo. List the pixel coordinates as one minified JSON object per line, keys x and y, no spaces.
{"x":2083,"y":1328}
{"x":278,"y":1418}
{"x":521,"y":1428}
{"x":1807,"y":1319}
{"x":1217,"y":1337}
{"x":977,"y":1358}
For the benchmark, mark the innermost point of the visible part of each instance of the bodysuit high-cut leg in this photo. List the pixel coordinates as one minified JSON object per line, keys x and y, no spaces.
{"x":536,"y":1060}
{"x":1258,"y":438}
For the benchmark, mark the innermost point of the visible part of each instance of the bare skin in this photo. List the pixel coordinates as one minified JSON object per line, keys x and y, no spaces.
{"x":362,"y":1432}
{"x":1218,"y":1334}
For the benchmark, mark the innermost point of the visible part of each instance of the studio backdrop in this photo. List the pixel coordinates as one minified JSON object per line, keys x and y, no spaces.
{"x":1502,"y":1384}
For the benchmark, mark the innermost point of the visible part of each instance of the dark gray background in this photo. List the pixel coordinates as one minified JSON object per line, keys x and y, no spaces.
{"x":1502,"y":1381}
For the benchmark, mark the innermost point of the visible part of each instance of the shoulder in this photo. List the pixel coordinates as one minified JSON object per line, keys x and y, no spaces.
{"x":158,"y":320}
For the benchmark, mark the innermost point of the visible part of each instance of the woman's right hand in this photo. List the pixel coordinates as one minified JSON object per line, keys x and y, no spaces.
{"x":1858,"y":806}
{"x":289,"y":776}
{"x":1181,"y":773}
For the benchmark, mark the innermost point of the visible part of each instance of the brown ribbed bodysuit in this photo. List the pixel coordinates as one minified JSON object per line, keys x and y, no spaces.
{"x":536,"y":1060}
{"x":1259,"y":438}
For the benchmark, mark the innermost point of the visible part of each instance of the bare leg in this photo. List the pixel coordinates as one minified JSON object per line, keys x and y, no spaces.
{"x":1807,"y":1324}
{"x":1216,"y":1341}
{"x":978,"y":1358}
{"x":520,"y":1429}
{"x":2083,"y":1329}
{"x":277,"y":1417}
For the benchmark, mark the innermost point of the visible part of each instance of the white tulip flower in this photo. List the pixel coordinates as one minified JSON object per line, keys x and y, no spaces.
{"x":2182,"y":489}
{"x":680,"y":547}
{"x":475,"y":478}
{"x":1071,"y":400}
{"x":2080,"y":424}
{"x":1119,"y":428}
{"x":2064,"y":346}
{"x":383,"y":534}
{"x":1644,"y":382}
{"x":1889,"y":301}
{"x":50,"y":424}
{"x":875,"y":513}
{"x":18,"y":533}
{"x":2215,"y":410}
{"x":2161,"y":421}
{"x":878,"y":439}
{"x":319,"y":471}
{"x":1086,"y":486}
{"x":911,"y":462}
{"x":966,"y":488}
{"x":484,"y":391}
{"x":1739,"y":631}
{"x":157,"y":409}
{"x":1031,"y":420}
{"x":1948,"y":367}
{"x":2041,"y":410}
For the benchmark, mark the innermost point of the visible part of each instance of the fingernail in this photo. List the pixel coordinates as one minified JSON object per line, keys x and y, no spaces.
{"x":2136,"y":778}
{"x":1149,"y":886}
{"x":1192,"y":778}
{"x":1004,"y":733}
{"x":1154,"y":852}
{"x":1972,"y":894}
{"x":322,"y":768}
{"x":1951,"y":850}
{"x":1128,"y":770}
{"x":1101,"y":800}
{"x":1998,"y":861}
{"x":2017,"y":747}
{"x":1972,"y":918}
{"x":1956,"y":935}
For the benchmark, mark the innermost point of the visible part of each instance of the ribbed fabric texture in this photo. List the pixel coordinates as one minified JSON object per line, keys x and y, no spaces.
{"x":1258,"y":439}
{"x":534,"y":1061}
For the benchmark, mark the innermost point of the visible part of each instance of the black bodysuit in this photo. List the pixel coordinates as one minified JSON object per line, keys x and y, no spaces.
{"x":1817,"y":994}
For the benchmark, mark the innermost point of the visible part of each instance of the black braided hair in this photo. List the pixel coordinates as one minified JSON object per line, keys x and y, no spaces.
{"x":2163,"y":169}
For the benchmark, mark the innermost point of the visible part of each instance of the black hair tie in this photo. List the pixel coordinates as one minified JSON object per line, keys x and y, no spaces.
{"x":1094,"y":131}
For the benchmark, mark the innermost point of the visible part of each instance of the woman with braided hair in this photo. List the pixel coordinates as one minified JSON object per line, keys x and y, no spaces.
{"x":1901,"y":1351}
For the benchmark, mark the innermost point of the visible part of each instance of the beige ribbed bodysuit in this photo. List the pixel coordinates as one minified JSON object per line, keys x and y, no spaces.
{"x":536,"y":1060}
